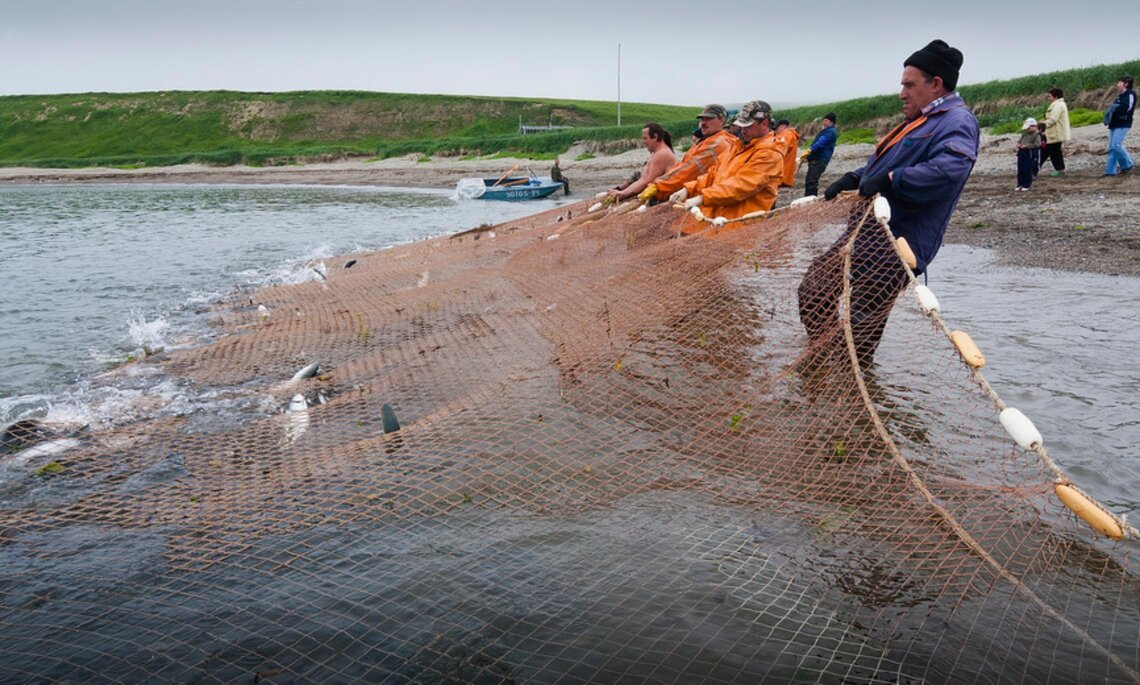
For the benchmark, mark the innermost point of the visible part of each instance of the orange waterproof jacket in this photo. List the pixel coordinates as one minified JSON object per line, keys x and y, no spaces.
{"x":790,"y":137}
{"x":699,"y":159}
{"x":744,"y":182}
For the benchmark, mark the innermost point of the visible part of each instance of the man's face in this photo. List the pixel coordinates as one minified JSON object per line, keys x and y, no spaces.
{"x":917,"y":92}
{"x":1120,"y":87}
{"x":650,"y":143}
{"x":710,"y":125}
{"x":755,"y":130}
{"x":828,"y":123}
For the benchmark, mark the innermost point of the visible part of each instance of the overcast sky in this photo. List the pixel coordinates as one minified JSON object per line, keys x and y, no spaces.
{"x":685,"y":53}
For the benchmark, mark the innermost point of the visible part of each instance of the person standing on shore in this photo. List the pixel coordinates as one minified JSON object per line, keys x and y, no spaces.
{"x":713,"y":143}
{"x":746,"y":181}
{"x":819,"y":154}
{"x":1118,"y":119}
{"x":1028,"y":150}
{"x":557,"y":177}
{"x":920,"y":167}
{"x":661,"y":156}
{"x":1057,"y":129}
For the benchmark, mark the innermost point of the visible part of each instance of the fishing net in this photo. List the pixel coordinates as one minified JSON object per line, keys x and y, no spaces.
{"x":624,"y":453}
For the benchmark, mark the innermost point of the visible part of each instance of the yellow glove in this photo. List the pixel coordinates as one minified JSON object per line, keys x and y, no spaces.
{"x":804,"y":156}
{"x":648,"y":194}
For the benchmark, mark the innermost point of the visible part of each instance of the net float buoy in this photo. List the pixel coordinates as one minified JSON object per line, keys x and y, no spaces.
{"x":595,"y":207}
{"x":906,"y":253}
{"x":1020,"y":428}
{"x":926,"y":299}
{"x":1087,"y":510}
{"x":883,"y":210}
{"x":696,"y":211}
{"x":719,"y":221}
{"x":969,"y":351}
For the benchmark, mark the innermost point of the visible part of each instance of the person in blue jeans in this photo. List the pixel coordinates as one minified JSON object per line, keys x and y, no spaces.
{"x":1118,"y":119}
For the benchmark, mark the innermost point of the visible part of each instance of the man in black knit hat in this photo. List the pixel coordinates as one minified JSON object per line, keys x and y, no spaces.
{"x":920,"y":167}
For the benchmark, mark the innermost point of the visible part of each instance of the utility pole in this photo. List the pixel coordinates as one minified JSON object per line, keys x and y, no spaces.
{"x":619,"y":84}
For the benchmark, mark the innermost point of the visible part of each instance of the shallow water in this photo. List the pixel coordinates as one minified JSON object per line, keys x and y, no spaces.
{"x":414,"y":598}
{"x":1062,"y":348}
{"x":93,"y":273}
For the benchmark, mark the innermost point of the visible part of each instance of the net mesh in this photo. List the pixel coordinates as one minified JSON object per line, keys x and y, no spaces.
{"x":625,"y":454}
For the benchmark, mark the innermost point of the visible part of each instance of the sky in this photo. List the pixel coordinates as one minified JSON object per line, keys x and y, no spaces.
{"x":682,"y":53}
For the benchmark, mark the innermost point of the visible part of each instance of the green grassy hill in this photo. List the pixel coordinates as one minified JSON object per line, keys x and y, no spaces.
{"x":225,"y":127}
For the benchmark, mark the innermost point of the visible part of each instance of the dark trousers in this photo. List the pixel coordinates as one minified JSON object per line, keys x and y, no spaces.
{"x":877,"y":279}
{"x":1056,"y":157}
{"x":1026,"y":167}
{"x":811,"y":183}
{"x":565,"y":185}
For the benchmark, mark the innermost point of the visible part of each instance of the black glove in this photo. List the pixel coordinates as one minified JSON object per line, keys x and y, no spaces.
{"x":875,"y":185}
{"x":848,"y":181}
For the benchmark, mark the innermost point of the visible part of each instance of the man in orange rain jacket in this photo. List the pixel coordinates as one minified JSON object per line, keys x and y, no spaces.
{"x":790,"y":137}
{"x":745,"y":182}
{"x":714,"y":144}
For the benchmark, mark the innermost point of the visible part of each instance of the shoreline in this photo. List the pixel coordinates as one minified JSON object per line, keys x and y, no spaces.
{"x":1079,"y":222}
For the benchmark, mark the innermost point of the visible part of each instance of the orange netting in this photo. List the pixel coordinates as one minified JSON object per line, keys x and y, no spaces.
{"x":624,"y":454}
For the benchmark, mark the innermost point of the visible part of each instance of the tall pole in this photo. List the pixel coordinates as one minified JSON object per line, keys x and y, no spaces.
{"x":619,"y":84}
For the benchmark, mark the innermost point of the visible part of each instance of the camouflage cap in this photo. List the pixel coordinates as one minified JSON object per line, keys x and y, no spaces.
{"x":713,"y":112}
{"x":753,"y":112}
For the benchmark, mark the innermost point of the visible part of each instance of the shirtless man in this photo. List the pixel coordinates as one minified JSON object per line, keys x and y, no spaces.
{"x":661,"y":158}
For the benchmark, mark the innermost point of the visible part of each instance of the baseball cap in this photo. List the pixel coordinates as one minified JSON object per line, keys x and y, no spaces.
{"x":753,"y":112}
{"x":714,"y":112}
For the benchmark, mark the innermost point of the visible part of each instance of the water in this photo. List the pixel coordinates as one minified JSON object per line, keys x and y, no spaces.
{"x":93,"y":274}
{"x":1062,"y":348}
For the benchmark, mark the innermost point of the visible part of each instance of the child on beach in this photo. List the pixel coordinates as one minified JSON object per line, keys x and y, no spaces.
{"x":1028,"y":151}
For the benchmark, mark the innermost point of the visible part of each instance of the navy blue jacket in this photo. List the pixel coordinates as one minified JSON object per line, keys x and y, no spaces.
{"x":930,"y":165}
{"x":823,"y":145}
{"x":1119,"y":114}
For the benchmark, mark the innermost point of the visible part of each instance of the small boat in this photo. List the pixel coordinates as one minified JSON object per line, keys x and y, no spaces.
{"x":509,"y":188}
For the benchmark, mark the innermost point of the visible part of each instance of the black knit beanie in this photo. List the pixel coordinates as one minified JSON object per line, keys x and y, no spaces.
{"x":938,"y":59}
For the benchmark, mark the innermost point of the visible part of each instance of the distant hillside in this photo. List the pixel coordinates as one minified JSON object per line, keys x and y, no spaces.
{"x":225,"y":127}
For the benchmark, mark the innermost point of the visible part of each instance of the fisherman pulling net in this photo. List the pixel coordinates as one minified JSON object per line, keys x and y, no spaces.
{"x":578,"y":447}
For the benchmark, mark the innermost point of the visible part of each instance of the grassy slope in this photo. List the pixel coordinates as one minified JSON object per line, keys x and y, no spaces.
{"x":224,"y":127}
